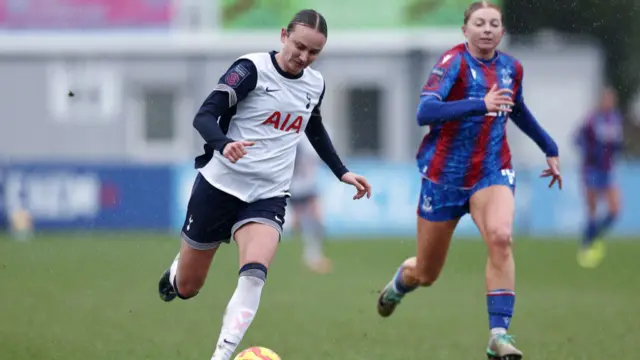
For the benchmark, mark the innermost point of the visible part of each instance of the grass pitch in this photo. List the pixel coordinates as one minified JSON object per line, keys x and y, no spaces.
{"x":94,"y":297}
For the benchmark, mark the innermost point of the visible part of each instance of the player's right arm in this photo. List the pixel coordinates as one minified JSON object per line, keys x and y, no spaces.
{"x":433,"y":106}
{"x":234,"y":86}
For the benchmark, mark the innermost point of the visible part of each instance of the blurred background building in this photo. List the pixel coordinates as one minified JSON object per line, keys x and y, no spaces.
{"x":98,"y":96}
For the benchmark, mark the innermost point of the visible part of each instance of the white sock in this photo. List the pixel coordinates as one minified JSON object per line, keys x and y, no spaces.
{"x":173,"y":270}
{"x":240,"y":312}
{"x":498,"y":331}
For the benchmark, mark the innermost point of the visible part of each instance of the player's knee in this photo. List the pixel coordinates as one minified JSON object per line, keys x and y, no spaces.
{"x":499,"y":238}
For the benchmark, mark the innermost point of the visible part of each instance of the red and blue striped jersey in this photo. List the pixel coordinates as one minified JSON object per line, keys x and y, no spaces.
{"x":600,"y":139}
{"x":463,"y":151}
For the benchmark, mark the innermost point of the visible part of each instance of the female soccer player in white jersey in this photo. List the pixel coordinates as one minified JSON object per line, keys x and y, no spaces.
{"x":252,"y":123}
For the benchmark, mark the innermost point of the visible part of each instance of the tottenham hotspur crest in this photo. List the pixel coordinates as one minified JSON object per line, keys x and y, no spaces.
{"x":308,"y":101}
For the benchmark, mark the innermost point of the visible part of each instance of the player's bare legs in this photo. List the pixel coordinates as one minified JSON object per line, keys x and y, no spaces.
{"x":257,"y":245}
{"x":433,"y":243}
{"x":187,"y":274}
{"x":492,"y":209}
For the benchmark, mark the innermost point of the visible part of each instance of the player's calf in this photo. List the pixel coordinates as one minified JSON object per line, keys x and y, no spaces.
{"x":500,"y":279}
{"x":500,"y":271}
{"x":187,"y":274}
{"x":170,"y":287}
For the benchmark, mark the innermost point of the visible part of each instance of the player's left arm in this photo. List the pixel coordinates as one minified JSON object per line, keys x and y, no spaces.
{"x":322,"y":144}
{"x":524,"y":119}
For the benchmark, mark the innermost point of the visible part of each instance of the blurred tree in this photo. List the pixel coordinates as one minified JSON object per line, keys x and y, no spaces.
{"x":615,"y":23}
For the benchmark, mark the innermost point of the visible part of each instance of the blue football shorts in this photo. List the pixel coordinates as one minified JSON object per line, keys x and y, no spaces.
{"x":441,"y":202}
{"x":213,"y":216}
{"x":597,"y":179}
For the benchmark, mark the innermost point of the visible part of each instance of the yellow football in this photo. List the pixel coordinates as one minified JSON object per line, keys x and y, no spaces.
{"x":257,"y":353}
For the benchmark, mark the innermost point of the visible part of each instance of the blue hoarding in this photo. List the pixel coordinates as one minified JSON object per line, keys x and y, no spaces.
{"x":136,"y":197}
{"x":391,"y":211}
{"x":540,"y":211}
{"x":78,"y":196}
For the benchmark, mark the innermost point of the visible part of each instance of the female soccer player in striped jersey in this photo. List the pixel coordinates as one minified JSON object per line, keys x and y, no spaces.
{"x":465,"y":163}
{"x":600,"y":141}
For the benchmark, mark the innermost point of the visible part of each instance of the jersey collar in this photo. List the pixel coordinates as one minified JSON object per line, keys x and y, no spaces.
{"x":279,"y":69}
{"x":482,"y":61}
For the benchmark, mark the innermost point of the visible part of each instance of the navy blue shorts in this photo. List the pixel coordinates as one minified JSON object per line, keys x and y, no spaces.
{"x":213,"y":216}
{"x":440,"y":202}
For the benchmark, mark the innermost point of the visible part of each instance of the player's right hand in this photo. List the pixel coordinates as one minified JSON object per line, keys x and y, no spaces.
{"x":234,"y":151}
{"x":498,"y":100}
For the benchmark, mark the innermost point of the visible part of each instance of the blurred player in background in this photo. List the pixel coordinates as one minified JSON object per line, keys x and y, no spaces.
{"x":252,"y":123}
{"x":465,"y":163}
{"x":599,"y":140}
{"x":306,"y":214}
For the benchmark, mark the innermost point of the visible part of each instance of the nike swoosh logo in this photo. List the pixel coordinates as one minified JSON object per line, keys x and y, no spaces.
{"x":271,"y":90}
{"x":229,"y":342}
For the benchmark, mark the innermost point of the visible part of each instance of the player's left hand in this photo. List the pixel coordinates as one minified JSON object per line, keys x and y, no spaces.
{"x":553,"y":171}
{"x":359,"y":182}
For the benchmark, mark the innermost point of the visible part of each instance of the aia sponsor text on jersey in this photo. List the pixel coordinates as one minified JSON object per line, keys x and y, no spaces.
{"x":284,"y":122}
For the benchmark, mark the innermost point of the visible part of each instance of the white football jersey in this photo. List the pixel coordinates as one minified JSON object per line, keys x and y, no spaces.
{"x":274,"y":115}
{"x":304,"y":182}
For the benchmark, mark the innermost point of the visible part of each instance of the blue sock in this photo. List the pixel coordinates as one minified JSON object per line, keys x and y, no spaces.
{"x":399,"y":284}
{"x":590,"y":232}
{"x":500,"y":304}
{"x":605,"y":224}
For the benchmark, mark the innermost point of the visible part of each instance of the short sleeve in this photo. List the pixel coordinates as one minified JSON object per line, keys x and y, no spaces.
{"x":238,"y":81}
